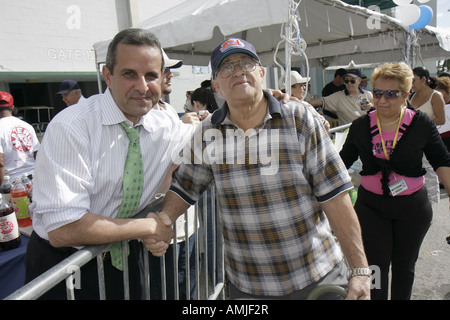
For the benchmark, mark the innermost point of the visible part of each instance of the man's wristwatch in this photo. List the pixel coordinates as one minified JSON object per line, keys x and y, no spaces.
{"x":355,"y":272}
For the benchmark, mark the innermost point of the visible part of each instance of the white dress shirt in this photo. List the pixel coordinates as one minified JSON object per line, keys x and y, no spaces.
{"x":80,"y":163}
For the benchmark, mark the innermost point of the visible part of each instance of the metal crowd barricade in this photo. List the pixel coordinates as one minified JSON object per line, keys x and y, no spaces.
{"x":204,"y":279}
{"x":339,"y":128}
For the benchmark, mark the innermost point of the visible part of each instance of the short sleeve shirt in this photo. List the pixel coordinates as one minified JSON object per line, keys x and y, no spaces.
{"x":269,"y":182}
{"x":346,"y":106}
{"x":18,"y":142}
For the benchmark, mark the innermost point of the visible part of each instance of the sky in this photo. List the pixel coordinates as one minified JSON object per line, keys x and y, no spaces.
{"x":443,"y":14}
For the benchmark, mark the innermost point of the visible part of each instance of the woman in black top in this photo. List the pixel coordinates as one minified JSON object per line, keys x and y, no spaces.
{"x":392,"y":204}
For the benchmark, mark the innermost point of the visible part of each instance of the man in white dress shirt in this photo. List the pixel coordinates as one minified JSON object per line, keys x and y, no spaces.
{"x":78,"y":184}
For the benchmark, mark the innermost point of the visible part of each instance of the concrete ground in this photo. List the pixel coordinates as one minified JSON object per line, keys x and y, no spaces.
{"x":432,"y":280}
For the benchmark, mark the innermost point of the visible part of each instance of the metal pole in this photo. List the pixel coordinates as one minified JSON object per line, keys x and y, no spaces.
{"x":288,"y":60}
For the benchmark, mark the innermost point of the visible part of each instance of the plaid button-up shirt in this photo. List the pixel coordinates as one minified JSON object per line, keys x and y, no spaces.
{"x":269,"y":183}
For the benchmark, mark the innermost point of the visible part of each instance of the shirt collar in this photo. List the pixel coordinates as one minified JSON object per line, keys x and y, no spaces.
{"x":348,"y":93}
{"x":274,"y":109}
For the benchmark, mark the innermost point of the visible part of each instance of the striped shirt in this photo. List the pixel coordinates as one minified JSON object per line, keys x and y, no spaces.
{"x":269,"y":183}
{"x":80,"y":164}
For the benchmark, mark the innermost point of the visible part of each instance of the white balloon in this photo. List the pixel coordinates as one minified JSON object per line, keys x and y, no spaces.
{"x":403,"y":2}
{"x":408,"y":14}
{"x":423,"y":1}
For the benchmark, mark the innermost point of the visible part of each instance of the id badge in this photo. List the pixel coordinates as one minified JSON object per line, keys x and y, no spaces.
{"x":398,"y":187}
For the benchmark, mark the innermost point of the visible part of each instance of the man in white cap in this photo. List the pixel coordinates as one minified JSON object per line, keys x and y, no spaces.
{"x":166,"y":89}
{"x":298,"y":84}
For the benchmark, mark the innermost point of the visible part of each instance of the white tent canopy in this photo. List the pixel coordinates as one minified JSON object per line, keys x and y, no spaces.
{"x":335,"y":32}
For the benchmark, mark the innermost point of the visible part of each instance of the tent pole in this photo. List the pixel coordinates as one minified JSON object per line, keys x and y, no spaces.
{"x":99,"y":78}
{"x":287,"y":53}
{"x":408,"y":48}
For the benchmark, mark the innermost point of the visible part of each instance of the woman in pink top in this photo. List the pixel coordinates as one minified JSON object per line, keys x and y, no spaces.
{"x":392,"y":204}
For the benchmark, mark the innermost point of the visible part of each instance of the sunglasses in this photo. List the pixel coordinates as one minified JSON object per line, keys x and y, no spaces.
{"x":353,"y":81}
{"x":388,"y":94}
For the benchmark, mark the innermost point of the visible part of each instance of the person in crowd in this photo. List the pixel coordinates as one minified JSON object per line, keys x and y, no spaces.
{"x":337,"y":84}
{"x":208,"y":84}
{"x":70,"y":92}
{"x":78,"y":191}
{"x":429,"y":101}
{"x":278,"y":243}
{"x":364,"y":82}
{"x":166,"y":89}
{"x":443,"y":86}
{"x":18,"y":142}
{"x":298,"y":85}
{"x":348,"y":104}
{"x":392,"y":204}
{"x":203,"y":99}
{"x":425,"y":98}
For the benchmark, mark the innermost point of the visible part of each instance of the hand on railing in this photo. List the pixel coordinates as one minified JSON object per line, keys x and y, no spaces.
{"x":159,"y":242}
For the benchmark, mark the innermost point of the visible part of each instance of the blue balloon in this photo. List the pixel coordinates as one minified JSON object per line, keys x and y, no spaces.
{"x":426,"y":14}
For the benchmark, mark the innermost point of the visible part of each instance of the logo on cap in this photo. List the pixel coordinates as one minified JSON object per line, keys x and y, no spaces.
{"x":231,"y":44}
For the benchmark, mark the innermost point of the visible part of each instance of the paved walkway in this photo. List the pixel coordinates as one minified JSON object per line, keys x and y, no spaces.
{"x":432,"y":281}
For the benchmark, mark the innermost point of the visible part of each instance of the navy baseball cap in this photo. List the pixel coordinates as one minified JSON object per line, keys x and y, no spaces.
{"x":230,"y":46}
{"x":354,"y":73}
{"x":68,"y":85}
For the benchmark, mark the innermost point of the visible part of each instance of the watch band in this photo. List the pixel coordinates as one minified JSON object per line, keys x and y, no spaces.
{"x":355,"y":272}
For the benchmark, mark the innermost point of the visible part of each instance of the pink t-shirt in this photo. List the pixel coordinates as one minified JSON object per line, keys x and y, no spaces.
{"x":372,"y":183}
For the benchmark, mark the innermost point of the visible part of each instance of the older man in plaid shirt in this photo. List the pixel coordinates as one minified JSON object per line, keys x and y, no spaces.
{"x":276,"y":172}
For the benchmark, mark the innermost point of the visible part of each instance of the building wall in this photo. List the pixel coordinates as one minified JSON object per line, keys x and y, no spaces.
{"x":50,"y":35}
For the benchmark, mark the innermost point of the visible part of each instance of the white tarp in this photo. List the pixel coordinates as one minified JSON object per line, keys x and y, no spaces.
{"x":335,"y":32}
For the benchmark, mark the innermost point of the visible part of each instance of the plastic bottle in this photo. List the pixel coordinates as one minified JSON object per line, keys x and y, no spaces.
{"x":20,"y":202}
{"x":9,"y":228}
{"x":26,"y":181}
{"x":5,"y":189}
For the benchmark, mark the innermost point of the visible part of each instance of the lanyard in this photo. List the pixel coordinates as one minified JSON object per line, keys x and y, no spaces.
{"x":396,"y":134}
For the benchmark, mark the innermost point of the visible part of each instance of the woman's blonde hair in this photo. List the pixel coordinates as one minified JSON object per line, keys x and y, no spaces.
{"x":397,"y":71}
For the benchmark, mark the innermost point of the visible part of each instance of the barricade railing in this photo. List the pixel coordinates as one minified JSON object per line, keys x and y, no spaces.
{"x":208,"y":255}
{"x":339,"y":128}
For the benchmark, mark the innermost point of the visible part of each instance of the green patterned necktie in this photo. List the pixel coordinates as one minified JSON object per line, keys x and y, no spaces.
{"x":133,"y":180}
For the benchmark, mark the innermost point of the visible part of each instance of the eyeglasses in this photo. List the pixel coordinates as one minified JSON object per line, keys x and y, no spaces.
{"x":353,"y":81}
{"x":388,"y":94}
{"x":227,"y":68}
